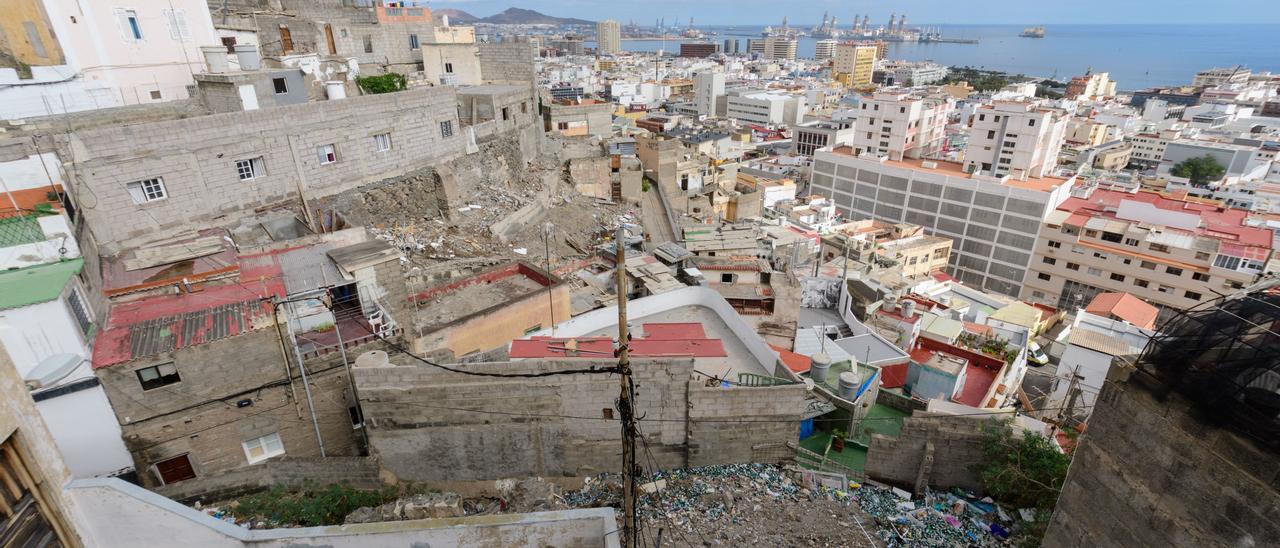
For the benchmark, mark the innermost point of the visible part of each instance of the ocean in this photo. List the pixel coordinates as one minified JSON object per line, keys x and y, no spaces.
{"x":1137,"y":56}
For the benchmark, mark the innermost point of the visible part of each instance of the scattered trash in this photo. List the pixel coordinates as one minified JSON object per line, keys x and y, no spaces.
{"x":521,"y":251}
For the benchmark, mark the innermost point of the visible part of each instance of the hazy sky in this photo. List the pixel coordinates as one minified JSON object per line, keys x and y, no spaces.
{"x":745,"y":12}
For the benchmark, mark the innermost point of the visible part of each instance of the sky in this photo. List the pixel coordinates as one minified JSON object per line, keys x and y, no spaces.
{"x":762,"y":12}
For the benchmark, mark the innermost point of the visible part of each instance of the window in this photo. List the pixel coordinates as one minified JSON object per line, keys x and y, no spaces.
{"x":129,"y":24}
{"x":446,"y":128}
{"x":1050,"y":260}
{"x":413,"y":41}
{"x":368,"y":44}
{"x":155,"y":95}
{"x":1031,"y":122}
{"x":328,"y":154}
{"x":158,"y":375}
{"x":1131,"y":241}
{"x":173,"y":470}
{"x":1159,"y":248}
{"x":448,"y":68}
{"x":533,"y":329}
{"x":524,"y":107}
{"x":1043,"y":276}
{"x":1091,"y":233}
{"x":178,"y":29}
{"x":1165,"y":289}
{"x":1054,"y":244}
{"x":84,"y":320}
{"x":991,"y":134}
{"x":1199,"y":276}
{"x":1148,"y":265}
{"x":506,"y":113}
{"x":562,"y":125}
{"x":280,"y":85}
{"x":382,"y":142}
{"x":1202,"y":256}
{"x":286,"y":39}
{"x":1117,"y":277}
{"x":1112,"y":237}
{"x":727,"y":278}
{"x":1073,"y":266}
{"x":263,"y":447}
{"x":1173,"y":271}
{"x":1100,"y":255}
{"x":1140,"y":282}
{"x":1193,"y":295}
{"x":250,"y":168}
{"x":147,"y":190}
{"x":1226,"y":261}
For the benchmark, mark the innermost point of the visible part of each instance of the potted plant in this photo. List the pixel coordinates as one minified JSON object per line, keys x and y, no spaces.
{"x":837,"y":440}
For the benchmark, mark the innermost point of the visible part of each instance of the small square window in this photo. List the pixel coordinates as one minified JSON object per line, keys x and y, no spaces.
{"x":1043,"y":276}
{"x":1050,"y":260}
{"x":1140,"y":282}
{"x":1073,"y":266}
{"x":1193,"y":295}
{"x":448,"y":68}
{"x":250,"y":168}
{"x":281,"y":86}
{"x":155,"y":95}
{"x":413,"y":41}
{"x":1199,"y":276}
{"x":158,"y":375}
{"x":328,"y":154}
{"x":446,"y":128}
{"x":1173,"y":271}
{"x":1159,"y":248}
{"x":262,"y":448}
{"x":382,"y":142}
{"x":1117,"y":277}
{"x":506,"y":113}
{"x":147,"y":190}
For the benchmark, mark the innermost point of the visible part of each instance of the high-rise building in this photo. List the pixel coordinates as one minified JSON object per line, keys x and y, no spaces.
{"x":780,"y":47}
{"x":1088,"y":87}
{"x":824,"y":49}
{"x":857,"y":61}
{"x":608,"y":37}
{"x":707,"y":87}
{"x":1015,"y":138}
{"x":731,"y":46}
{"x":902,"y":125}
{"x":697,"y":49}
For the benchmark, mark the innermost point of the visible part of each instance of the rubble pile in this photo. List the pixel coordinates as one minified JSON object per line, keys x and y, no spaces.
{"x":939,"y":519}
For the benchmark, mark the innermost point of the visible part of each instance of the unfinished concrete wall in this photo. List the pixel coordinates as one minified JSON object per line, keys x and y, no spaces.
{"x":933,"y":450}
{"x":507,"y":62}
{"x":287,"y":472}
{"x":428,"y":424}
{"x":196,"y":159}
{"x":1148,"y":473}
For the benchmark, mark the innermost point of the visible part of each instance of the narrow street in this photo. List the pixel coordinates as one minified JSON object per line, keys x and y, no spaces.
{"x":654,"y":217}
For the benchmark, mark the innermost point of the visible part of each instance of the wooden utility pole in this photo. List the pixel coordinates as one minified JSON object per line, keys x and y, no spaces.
{"x":626,"y":410}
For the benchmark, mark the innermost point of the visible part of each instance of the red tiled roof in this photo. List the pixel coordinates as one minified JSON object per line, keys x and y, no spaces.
{"x":798,"y":363}
{"x":1125,"y":307}
{"x":1217,"y":222}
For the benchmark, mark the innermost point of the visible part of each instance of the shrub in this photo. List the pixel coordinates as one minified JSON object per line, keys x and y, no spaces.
{"x":309,"y":507}
{"x":385,"y":83}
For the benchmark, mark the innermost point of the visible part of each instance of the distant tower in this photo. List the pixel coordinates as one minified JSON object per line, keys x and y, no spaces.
{"x":784,"y":24}
{"x":902,"y":24}
{"x":892,"y":18}
{"x":833,"y":24}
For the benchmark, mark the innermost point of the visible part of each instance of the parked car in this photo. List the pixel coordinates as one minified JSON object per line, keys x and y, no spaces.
{"x":1036,"y":356}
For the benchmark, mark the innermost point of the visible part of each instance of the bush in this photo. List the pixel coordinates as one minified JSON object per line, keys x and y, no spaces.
{"x":309,"y":507}
{"x":1200,"y":170}
{"x":385,"y":83}
{"x":1026,"y":471}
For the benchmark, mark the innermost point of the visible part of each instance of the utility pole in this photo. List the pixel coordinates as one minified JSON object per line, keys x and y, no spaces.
{"x":630,"y":531}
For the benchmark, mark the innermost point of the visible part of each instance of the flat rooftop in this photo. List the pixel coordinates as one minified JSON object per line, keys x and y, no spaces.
{"x":445,"y":304}
{"x":955,"y":169}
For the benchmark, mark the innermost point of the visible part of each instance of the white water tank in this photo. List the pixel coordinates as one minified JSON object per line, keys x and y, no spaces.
{"x":890,"y":303}
{"x":819,"y":365}
{"x":335,"y":89}
{"x":908,"y":308}
{"x":247,"y":56}
{"x":373,"y":358}
{"x":215,"y":58}
{"x":848,"y":385}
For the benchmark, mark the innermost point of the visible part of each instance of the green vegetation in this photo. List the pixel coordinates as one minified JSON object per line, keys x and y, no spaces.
{"x":644,"y":185}
{"x":1025,"y":472}
{"x":310,"y":507}
{"x":1202,"y":170}
{"x":385,"y":83}
{"x":981,"y":80}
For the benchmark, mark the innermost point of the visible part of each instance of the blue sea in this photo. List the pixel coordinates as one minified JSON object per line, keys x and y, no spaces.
{"x":1137,"y":56}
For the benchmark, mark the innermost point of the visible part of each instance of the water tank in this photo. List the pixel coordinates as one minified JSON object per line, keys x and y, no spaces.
{"x":819,"y":364}
{"x":335,"y":89}
{"x":890,"y":303}
{"x":908,"y":308}
{"x":215,"y":58}
{"x":373,"y":358}
{"x":848,"y":385}
{"x":247,"y":56}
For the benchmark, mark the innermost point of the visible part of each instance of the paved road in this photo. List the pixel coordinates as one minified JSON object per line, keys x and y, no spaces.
{"x":654,"y":217}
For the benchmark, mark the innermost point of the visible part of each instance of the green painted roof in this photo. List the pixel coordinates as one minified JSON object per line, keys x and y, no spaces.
{"x":36,"y":284}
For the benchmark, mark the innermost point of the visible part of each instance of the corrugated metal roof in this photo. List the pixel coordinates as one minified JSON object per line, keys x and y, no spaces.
{"x":1101,"y":343}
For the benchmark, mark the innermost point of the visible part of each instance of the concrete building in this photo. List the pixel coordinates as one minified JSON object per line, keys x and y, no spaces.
{"x":70,"y":58}
{"x":991,"y":219}
{"x":1017,"y":139}
{"x":708,"y":88}
{"x":1115,"y":326}
{"x":575,"y":118}
{"x":910,"y":73}
{"x":824,"y":49}
{"x":805,"y":139}
{"x":901,"y":125}
{"x":1148,"y":148}
{"x":1221,"y":76}
{"x":1091,"y":87}
{"x":1171,"y":253}
{"x":698,"y":50}
{"x":775,"y":108}
{"x":774,"y":47}
{"x":856,"y":62}
{"x":608,"y":37}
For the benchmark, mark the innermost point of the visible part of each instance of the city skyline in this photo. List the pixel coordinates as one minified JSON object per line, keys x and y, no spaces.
{"x":934,"y":12}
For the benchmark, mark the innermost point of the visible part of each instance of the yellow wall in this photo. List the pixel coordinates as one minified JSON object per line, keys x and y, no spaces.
{"x":17,"y":17}
{"x":490,"y":331}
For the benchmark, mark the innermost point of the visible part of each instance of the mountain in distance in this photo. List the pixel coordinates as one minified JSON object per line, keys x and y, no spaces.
{"x":518,"y":16}
{"x":455,"y":15}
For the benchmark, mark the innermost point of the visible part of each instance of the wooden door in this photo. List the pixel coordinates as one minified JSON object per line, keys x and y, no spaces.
{"x":286,"y":40}
{"x":328,"y":38}
{"x":175,"y":469}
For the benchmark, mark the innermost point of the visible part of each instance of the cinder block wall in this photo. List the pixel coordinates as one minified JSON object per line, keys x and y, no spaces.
{"x":1147,"y":473}
{"x":509,"y":62}
{"x":957,"y":445}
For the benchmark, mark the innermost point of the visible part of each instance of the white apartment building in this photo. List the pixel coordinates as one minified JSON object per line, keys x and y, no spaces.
{"x":708,"y":86}
{"x":1015,"y":138}
{"x":766,"y":107}
{"x":911,"y":73}
{"x":89,"y":55}
{"x":901,"y":125}
{"x":774,"y":47}
{"x":1219,"y":76}
{"x":824,"y":49}
{"x":1148,"y":148}
{"x":812,"y":136}
{"x":608,"y":37}
{"x":992,"y":220}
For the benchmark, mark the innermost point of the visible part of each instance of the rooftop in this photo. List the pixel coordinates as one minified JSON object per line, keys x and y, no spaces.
{"x":36,"y":284}
{"x":485,"y":292}
{"x":656,"y":340}
{"x":953,"y":169}
{"x":1209,"y":220}
{"x":1126,"y":307}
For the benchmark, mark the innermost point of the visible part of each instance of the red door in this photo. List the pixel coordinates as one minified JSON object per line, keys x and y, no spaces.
{"x":175,"y":469}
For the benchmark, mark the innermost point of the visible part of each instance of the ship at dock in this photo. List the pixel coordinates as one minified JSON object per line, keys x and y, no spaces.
{"x":1032,"y":32}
